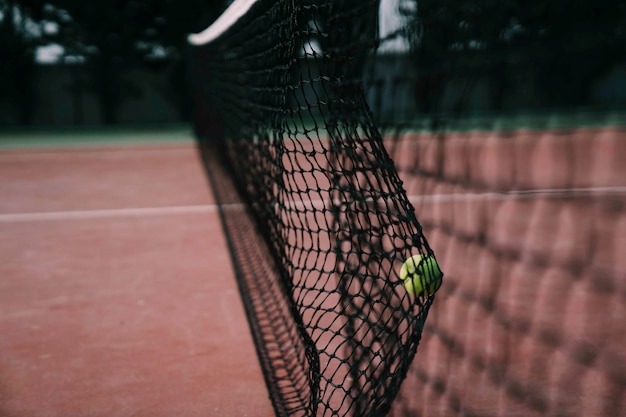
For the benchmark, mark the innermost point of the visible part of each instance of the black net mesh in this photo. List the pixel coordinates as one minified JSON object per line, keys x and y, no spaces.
{"x":327,"y":224}
{"x":505,"y":122}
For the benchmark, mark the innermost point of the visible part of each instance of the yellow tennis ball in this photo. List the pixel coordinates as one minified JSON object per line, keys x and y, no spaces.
{"x":421,"y":276}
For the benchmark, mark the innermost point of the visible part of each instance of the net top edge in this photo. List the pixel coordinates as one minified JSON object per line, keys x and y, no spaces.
{"x":234,"y":12}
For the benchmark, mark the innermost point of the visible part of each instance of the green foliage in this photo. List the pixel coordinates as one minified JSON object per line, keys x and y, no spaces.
{"x":19,"y":38}
{"x":114,"y":36}
{"x":562,"y":45}
{"x":137,"y":31}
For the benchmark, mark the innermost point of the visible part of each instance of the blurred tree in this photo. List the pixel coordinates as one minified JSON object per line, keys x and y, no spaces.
{"x":571,"y":44}
{"x":113,"y":36}
{"x":459,"y":39}
{"x":564,"y":45}
{"x":19,"y":38}
{"x":175,"y":21}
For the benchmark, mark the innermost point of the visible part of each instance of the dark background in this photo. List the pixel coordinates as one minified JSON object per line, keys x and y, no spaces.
{"x":123,"y":62}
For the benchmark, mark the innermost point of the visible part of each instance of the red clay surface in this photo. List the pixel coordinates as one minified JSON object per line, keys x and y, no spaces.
{"x":118,"y":315}
{"x":530,"y":230}
{"x":89,"y":178}
{"x":138,"y":315}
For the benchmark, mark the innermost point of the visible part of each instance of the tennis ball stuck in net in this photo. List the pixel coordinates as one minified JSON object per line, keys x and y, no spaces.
{"x":421,"y":275}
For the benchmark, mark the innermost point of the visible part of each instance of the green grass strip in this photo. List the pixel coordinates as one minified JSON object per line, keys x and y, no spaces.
{"x":46,"y":138}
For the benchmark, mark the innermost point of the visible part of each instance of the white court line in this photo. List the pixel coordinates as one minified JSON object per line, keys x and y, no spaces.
{"x":213,"y":208}
{"x":502,"y":195}
{"x":521,"y":194}
{"x":113,"y":213}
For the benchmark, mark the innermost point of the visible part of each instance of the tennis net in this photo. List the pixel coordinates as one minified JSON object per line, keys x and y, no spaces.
{"x":284,"y":127}
{"x":502,"y":123}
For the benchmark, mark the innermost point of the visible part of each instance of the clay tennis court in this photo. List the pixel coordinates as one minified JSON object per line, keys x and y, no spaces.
{"x":117,"y":295}
{"x":530,"y":227}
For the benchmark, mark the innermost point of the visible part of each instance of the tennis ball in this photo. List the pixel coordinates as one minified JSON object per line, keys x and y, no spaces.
{"x":421,"y":276}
